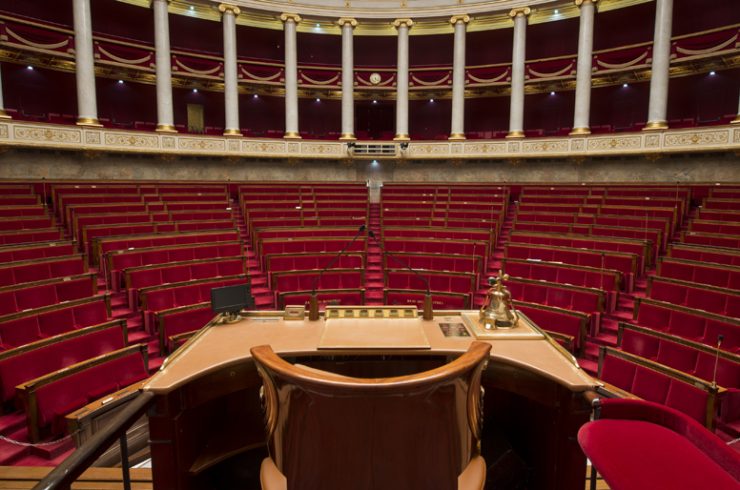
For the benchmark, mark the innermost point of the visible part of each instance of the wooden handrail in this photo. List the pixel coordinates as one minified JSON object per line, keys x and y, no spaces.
{"x":62,"y":477}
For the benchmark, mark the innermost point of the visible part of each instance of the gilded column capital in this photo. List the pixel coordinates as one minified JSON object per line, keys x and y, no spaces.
{"x":342,"y":21}
{"x":225,"y":7}
{"x":285,"y":17}
{"x":522,"y":11}
{"x":459,"y":18}
{"x":151,"y":2}
{"x":403,"y":22}
{"x":581,"y":2}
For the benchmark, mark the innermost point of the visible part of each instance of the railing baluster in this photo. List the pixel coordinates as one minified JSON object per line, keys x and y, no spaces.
{"x":124,"y":462}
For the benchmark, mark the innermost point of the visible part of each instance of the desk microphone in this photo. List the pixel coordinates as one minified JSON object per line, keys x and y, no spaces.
{"x":313,"y":304}
{"x":720,"y":338}
{"x":427,"y":312}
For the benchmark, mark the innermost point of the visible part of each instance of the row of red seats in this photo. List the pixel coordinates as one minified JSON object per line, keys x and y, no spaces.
{"x":18,"y":329}
{"x":13,"y":237}
{"x":566,"y":326}
{"x":38,"y":269}
{"x":704,"y":254}
{"x":713,"y":299}
{"x":38,"y":250}
{"x":42,"y":293}
{"x":720,"y":275}
{"x":22,"y":211}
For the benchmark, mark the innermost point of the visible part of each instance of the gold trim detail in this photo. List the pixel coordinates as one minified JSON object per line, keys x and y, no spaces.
{"x":4,"y":114}
{"x":403,"y":22}
{"x":165,"y":128}
{"x":459,"y":18}
{"x":581,"y":2}
{"x":515,"y":134}
{"x":89,"y":121}
{"x":291,"y":135}
{"x":347,"y":20}
{"x":580,"y":131}
{"x":736,"y":120}
{"x":525,"y":11}
{"x":225,"y":7}
{"x":347,"y":137}
{"x":285,"y":17}
{"x":655,"y":125}
{"x":232,"y":132}
{"x":402,"y":137}
{"x":457,"y":137}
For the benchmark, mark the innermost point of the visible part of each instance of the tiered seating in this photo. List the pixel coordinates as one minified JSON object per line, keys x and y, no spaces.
{"x":305,"y":281}
{"x":175,"y":324}
{"x":17,"y":329}
{"x":450,"y":290}
{"x":688,"y":323}
{"x":47,"y":399}
{"x":40,"y":269}
{"x":651,"y":381}
{"x":47,"y":292}
{"x":725,"y":276}
{"x":718,"y":300}
{"x":37,"y":250}
{"x":566,"y":326}
{"x":705,"y":254}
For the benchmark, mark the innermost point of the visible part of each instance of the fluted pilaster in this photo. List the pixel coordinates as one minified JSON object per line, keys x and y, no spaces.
{"x":348,"y":78}
{"x":231,"y":81}
{"x":457,"y":125}
{"x":516,"y":114}
{"x":290,"y":22}
{"x":402,"y":79}
{"x":658,"y":109}
{"x":582,"y":111}
{"x":87,"y":105}
{"x":163,"y":67}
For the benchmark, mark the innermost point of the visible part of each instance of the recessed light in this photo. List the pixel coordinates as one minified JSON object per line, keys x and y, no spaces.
{"x":557,"y":11}
{"x":375,"y":101}
{"x":374,"y":163}
{"x":255,"y":96}
{"x":625,"y":85}
{"x":318,"y":25}
{"x":318,"y":100}
{"x":29,"y":67}
{"x":712,"y":73}
{"x":192,"y":7}
{"x":120,"y":82}
{"x":552,"y":93}
{"x":431,"y":100}
{"x":195,"y":90}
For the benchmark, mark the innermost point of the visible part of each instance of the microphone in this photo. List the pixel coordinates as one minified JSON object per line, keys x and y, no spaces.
{"x":313,"y":304}
{"x":720,"y":338}
{"x":427,"y":312}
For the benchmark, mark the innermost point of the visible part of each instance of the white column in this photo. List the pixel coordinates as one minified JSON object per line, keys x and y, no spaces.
{"x":165,"y":117}
{"x":290,"y":22}
{"x":582,"y":112}
{"x":402,"y":80}
{"x":87,"y":106}
{"x":737,"y":118}
{"x":348,"y":79}
{"x":516,"y":112}
{"x":661,"y":64}
{"x":231,"y":83}
{"x":3,"y":114}
{"x":457,"y":126}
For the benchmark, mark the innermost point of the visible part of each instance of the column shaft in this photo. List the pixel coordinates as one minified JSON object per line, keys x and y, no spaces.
{"x":165,"y":113}
{"x":231,"y":83}
{"x":3,"y":114}
{"x":348,"y":80}
{"x":737,"y":117}
{"x":402,"y":81}
{"x":87,"y":106}
{"x":661,"y":64}
{"x":291,"y":76}
{"x":516,"y":113}
{"x":457,"y":126}
{"x":582,"y":111}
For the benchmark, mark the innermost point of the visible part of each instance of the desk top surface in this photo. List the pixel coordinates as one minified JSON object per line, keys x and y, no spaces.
{"x":219,"y":346}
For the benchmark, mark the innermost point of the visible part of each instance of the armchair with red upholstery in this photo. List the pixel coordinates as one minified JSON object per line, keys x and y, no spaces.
{"x":637,"y":445}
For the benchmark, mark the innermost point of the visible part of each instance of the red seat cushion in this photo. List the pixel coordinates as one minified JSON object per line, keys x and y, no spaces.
{"x":636,"y":455}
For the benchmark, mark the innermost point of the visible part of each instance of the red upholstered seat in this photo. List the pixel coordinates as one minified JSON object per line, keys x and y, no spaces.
{"x":639,"y":445}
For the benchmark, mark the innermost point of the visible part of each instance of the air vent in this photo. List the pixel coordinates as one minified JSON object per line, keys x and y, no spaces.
{"x":373,"y":150}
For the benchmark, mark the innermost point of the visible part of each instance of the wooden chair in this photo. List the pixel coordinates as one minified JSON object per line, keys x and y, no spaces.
{"x":328,"y":431}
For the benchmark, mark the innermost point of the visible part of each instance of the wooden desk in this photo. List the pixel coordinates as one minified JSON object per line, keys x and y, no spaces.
{"x":207,"y":411}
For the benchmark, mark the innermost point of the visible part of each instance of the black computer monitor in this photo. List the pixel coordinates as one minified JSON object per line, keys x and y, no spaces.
{"x":231,"y":299}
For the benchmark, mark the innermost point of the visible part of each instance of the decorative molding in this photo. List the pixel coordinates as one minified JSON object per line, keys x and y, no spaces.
{"x":225,"y":7}
{"x":22,"y":134}
{"x":403,"y":22}
{"x":347,"y":20}
{"x":285,"y":17}
{"x":581,"y":2}
{"x":465,"y":18}
{"x":519,"y":12}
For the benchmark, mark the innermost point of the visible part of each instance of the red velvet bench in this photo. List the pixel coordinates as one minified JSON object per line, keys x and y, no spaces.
{"x":638,"y":445}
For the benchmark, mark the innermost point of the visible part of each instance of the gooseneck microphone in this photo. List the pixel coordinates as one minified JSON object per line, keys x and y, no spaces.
{"x":313,"y":304}
{"x":427,"y":312}
{"x":720,"y":338}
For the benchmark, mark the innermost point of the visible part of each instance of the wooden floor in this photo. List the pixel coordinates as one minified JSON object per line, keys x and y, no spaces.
{"x":25,"y":477}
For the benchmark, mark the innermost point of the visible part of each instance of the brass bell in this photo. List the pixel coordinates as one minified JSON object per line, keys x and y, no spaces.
{"x":497,"y":311}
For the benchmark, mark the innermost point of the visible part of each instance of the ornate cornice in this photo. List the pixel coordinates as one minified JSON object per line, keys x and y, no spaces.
{"x":403,"y":22}
{"x":465,"y":18}
{"x":225,"y":7}
{"x":285,"y":17}
{"x":347,"y":21}
{"x":23,"y":134}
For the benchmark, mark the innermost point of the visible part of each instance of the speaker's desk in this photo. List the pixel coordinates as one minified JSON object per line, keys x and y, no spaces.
{"x":207,"y":411}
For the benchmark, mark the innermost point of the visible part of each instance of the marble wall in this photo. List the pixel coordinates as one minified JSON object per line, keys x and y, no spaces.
{"x":36,"y":164}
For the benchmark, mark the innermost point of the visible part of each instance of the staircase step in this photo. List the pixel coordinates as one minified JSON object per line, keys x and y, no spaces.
{"x":138,"y":337}
{"x":51,"y":451}
{"x":10,"y":453}
{"x":12,"y":422}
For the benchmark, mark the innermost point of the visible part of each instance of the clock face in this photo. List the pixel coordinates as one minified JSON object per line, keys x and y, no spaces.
{"x":375,"y":78}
